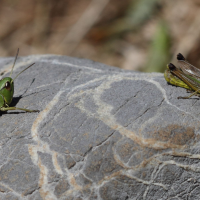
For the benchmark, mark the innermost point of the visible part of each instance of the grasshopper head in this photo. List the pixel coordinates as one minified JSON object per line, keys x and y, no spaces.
{"x":7,"y":89}
{"x":7,"y":84}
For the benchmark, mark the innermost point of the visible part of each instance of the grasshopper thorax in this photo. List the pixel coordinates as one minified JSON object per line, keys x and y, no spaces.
{"x":7,"y":89}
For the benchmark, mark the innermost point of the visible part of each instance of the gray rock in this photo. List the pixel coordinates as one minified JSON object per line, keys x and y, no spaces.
{"x":102,"y":133}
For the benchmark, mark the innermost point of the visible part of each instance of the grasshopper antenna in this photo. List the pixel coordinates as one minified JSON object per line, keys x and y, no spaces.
{"x":14,"y":62}
{"x":22,"y":71}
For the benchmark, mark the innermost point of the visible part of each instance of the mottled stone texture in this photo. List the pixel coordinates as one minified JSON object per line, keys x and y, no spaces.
{"x":102,"y":133}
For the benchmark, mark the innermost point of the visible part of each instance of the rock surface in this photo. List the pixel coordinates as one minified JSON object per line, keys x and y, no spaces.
{"x":102,"y":133}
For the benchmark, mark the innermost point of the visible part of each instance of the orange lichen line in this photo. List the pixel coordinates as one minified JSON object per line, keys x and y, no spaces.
{"x":104,"y":114}
{"x":75,"y":186}
{"x":44,"y":192}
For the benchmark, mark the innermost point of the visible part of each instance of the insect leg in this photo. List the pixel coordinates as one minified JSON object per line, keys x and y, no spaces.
{"x":194,"y":93}
{"x":15,"y":108}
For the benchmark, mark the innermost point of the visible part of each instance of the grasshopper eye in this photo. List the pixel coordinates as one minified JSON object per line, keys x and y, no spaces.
{"x":7,"y":86}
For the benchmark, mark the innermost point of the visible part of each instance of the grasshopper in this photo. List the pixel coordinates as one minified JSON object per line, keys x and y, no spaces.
{"x":186,"y":76}
{"x":7,"y":90}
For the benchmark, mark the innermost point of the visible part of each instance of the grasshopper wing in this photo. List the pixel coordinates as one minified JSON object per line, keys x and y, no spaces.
{"x":192,"y":82}
{"x":187,"y":68}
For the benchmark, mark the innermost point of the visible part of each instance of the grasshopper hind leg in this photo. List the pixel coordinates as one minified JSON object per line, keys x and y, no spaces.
{"x":4,"y":107}
{"x":194,"y":93}
{"x":15,"y":108}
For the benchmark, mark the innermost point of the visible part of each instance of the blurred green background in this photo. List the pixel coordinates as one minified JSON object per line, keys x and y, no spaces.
{"x":141,"y":35}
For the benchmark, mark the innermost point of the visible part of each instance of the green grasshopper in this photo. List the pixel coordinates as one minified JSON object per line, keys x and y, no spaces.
{"x":186,"y":76}
{"x":7,"y":90}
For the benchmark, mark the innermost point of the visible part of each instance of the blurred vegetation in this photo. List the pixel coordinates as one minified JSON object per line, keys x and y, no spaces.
{"x":140,"y":35}
{"x":159,"y":50}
